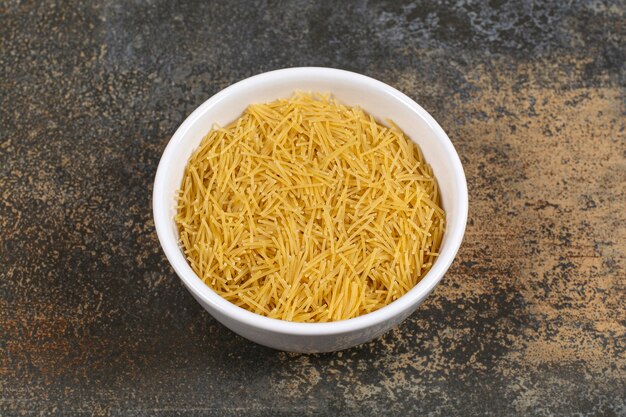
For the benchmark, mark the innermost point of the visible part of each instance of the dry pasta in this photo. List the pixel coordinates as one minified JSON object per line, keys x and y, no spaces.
{"x":307,"y":210}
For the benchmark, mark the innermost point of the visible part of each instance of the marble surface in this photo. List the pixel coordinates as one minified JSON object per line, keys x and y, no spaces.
{"x":531,"y":318}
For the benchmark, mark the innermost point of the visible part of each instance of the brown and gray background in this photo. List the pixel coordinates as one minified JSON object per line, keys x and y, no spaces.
{"x":530,"y":319}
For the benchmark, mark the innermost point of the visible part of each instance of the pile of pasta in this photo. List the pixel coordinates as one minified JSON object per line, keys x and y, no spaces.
{"x":307,"y":210}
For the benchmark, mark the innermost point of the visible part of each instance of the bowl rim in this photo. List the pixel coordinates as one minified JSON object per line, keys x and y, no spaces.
{"x":202,"y":291}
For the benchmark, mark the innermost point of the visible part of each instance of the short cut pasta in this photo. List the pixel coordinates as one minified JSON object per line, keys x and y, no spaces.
{"x":307,"y":210}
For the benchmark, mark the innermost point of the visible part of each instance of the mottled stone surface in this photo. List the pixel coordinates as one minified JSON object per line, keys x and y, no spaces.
{"x":531,"y":318}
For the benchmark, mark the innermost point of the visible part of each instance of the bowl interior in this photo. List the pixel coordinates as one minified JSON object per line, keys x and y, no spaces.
{"x":375,"y":97}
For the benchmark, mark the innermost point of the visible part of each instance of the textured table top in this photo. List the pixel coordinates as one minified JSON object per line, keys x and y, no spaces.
{"x":530,"y":319}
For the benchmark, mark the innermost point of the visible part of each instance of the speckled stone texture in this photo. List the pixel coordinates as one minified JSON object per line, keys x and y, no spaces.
{"x":530,"y":319}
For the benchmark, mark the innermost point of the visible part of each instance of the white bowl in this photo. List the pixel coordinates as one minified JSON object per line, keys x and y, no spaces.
{"x":375,"y":97}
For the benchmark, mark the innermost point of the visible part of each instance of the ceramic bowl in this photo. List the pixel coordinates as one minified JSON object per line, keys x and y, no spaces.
{"x":380,"y":100}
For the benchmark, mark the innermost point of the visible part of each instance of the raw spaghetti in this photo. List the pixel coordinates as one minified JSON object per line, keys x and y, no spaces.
{"x":307,"y":210}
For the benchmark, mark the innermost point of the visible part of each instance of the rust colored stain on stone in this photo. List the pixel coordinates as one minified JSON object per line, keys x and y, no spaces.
{"x":530,"y":319}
